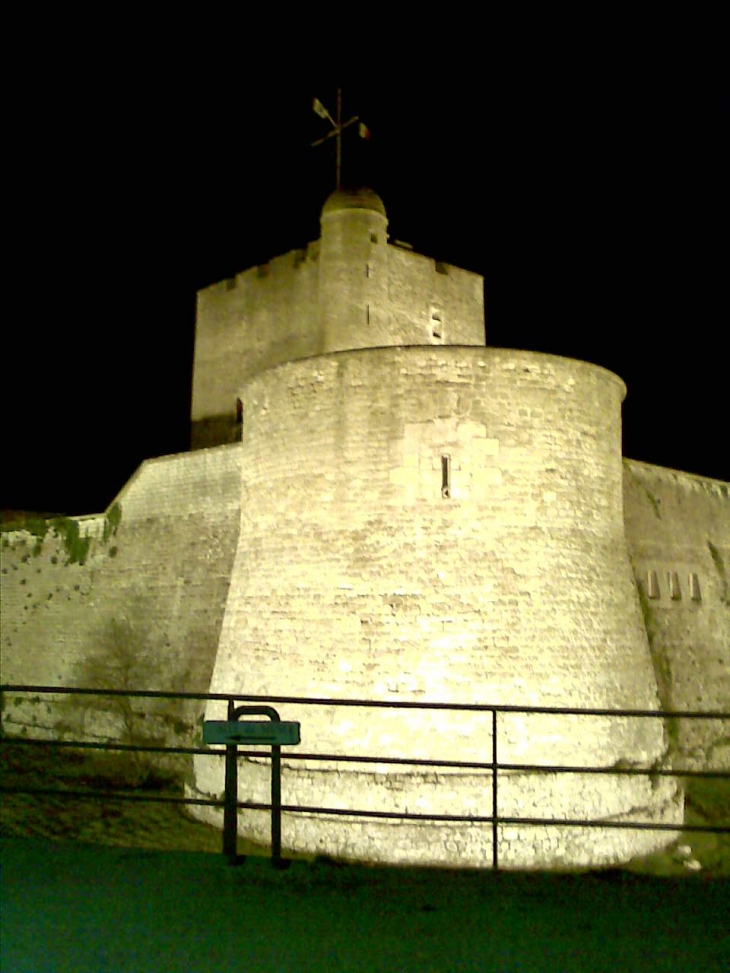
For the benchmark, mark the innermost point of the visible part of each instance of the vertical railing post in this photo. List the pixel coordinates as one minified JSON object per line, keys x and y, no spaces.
{"x":276,"y":806}
{"x":495,"y":830}
{"x":230,"y":807}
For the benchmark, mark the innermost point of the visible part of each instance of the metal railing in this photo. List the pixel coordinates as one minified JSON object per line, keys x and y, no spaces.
{"x":493,"y":766}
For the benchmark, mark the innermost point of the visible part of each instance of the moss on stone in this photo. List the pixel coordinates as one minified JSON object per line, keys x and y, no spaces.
{"x":112,"y":520}
{"x":76,"y":546}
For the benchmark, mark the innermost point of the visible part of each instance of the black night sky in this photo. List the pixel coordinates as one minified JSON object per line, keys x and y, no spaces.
{"x":591,"y":197}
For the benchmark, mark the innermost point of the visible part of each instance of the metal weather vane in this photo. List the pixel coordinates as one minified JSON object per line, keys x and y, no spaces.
{"x":338,"y":126}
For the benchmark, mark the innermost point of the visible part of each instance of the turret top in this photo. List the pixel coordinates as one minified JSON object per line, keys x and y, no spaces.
{"x":348,"y":199}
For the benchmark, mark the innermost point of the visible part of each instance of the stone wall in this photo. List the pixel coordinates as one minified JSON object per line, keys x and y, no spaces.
{"x":351,"y":289}
{"x":138,"y":606}
{"x":367,"y":568}
{"x":441,"y":525}
{"x":678,"y":532}
{"x":259,"y":318}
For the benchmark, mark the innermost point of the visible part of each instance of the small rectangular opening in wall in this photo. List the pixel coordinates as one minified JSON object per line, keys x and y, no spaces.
{"x":442,"y":268}
{"x":367,"y":314}
{"x":437,"y":323}
{"x":446,"y":476}
{"x":694,"y":587}
{"x":675,"y":592}
{"x":368,"y":270}
{"x":652,"y":585}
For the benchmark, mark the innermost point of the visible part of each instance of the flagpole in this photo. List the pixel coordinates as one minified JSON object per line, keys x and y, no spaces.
{"x":338,"y":126}
{"x":338,"y":173}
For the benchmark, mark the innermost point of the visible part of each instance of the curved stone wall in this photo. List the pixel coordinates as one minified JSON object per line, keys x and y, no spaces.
{"x":441,"y":525}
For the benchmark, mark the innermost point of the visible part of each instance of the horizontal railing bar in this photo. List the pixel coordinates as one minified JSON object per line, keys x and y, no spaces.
{"x":487,"y":819}
{"x":647,"y":771}
{"x":126,"y":747}
{"x":390,"y":761}
{"x":475,"y":765}
{"x":356,"y":812}
{"x":109,"y":795}
{"x":375,"y":704}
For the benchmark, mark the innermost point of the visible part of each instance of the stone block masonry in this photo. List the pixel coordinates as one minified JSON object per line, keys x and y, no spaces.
{"x":350,"y":289}
{"x":409,"y":516}
{"x":140,"y":607}
{"x":678,"y":532}
{"x":360,"y":573}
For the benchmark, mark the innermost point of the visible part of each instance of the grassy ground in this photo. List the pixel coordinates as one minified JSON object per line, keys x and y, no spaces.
{"x":90,"y":885}
{"x":86,"y":908}
{"x":136,"y":824}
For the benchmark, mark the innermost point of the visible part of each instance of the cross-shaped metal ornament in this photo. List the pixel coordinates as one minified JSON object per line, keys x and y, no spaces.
{"x":338,"y":126}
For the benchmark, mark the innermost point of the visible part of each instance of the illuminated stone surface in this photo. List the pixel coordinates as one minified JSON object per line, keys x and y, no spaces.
{"x":410,"y":516}
{"x":356,"y":578}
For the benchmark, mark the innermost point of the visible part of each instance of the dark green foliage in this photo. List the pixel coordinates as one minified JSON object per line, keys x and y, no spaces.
{"x":34,"y":524}
{"x":37,"y":527}
{"x":112,"y":520}
{"x":77,"y":547}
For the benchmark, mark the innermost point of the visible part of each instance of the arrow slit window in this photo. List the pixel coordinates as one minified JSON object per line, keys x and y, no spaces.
{"x":652,"y":584}
{"x":694,"y":587}
{"x":446,"y":476}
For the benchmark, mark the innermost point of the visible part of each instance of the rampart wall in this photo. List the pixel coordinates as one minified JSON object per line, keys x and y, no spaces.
{"x":135,"y":600}
{"x":678,"y":533}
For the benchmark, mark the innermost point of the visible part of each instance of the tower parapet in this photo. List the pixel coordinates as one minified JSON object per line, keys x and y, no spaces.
{"x":350,"y":289}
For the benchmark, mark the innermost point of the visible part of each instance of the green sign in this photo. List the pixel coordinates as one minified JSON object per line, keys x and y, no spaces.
{"x":259,"y":732}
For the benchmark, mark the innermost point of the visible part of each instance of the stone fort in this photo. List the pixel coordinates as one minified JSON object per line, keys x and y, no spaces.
{"x":379,"y":506}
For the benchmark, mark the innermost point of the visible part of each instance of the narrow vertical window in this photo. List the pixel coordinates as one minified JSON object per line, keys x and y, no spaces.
{"x":367,"y":314}
{"x":238,"y":428}
{"x":446,"y":476}
{"x":694,"y":587}
{"x":652,"y":584}
{"x":675,"y":592}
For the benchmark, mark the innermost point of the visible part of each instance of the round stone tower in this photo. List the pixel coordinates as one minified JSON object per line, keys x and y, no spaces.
{"x":438,"y":525}
{"x":353,"y":280}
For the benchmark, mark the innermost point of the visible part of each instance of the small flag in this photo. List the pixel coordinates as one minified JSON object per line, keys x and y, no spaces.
{"x":319,"y":108}
{"x":363,"y":131}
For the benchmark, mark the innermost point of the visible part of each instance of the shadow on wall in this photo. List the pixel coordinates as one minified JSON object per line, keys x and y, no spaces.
{"x":125,"y":659}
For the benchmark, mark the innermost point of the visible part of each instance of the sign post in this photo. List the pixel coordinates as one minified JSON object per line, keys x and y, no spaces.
{"x":231,"y":732}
